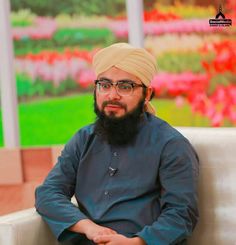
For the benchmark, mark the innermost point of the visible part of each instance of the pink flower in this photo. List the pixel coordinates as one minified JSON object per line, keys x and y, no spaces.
{"x":86,"y":78}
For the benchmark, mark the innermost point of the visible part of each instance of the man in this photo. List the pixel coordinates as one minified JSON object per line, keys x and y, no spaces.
{"x":133,"y":175}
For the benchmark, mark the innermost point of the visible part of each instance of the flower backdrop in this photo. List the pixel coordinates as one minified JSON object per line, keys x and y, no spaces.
{"x":196,"y":62}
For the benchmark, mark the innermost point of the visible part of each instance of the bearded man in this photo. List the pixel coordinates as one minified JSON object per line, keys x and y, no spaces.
{"x":133,"y":175}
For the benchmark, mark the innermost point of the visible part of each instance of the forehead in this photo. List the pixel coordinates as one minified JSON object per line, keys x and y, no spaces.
{"x":115,"y":74}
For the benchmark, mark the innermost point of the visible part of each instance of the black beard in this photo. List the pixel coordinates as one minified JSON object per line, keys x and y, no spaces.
{"x":118,"y":131}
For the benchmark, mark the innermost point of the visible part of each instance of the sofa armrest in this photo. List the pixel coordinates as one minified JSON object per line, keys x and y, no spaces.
{"x":25,"y":228}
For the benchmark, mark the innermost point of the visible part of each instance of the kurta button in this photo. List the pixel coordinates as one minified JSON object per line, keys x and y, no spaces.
{"x":106,"y":193}
{"x":112,"y":171}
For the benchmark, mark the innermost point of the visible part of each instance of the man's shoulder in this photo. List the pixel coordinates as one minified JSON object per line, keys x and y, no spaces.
{"x":162,"y":129}
{"x":85,"y":131}
{"x":88,"y":129}
{"x":80,"y":139}
{"x":161,"y":133}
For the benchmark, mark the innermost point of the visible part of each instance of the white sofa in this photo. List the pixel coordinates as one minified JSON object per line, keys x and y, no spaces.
{"x":25,"y":228}
{"x":216,"y":148}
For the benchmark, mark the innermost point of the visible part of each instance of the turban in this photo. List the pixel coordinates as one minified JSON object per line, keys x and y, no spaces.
{"x":136,"y":61}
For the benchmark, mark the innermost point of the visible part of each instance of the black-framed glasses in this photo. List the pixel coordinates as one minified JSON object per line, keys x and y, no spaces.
{"x":123,"y":87}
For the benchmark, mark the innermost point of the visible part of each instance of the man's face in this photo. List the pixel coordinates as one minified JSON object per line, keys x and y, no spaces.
{"x":116,"y":105}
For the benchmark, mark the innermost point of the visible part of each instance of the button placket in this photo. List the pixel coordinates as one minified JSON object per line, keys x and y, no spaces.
{"x":112,"y":170}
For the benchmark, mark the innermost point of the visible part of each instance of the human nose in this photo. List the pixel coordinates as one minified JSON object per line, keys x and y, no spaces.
{"x":113,"y":94}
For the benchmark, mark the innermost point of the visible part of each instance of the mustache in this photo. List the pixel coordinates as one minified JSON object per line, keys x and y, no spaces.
{"x":105,"y":103}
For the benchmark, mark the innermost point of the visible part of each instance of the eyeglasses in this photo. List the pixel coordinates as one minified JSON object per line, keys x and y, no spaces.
{"x":123,"y":87}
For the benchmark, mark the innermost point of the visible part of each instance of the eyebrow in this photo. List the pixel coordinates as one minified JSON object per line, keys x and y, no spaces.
{"x":105,"y":78}
{"x":121,"y":80}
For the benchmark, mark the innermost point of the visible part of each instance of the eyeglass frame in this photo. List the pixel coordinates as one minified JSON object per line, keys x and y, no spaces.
{"x":114,"y":84}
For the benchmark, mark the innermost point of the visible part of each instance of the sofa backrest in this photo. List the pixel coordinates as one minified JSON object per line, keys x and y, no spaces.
{"x":216,"y":148}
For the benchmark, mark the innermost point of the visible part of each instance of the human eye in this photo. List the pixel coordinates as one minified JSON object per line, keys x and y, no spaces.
{"x":125,"y":86}
{"x":105,"y":85}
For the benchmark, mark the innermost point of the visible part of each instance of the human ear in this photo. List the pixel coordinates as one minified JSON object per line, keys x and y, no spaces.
{"x":148,"y":94}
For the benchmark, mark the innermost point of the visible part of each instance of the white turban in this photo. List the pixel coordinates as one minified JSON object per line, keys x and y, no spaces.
{"x":136,"y":61}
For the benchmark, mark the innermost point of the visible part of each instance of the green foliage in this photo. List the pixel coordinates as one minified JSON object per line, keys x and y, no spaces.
{"x":24,"y":85}
{"x":80,"y":7}
{"x":55,"y":120}
{"x":27,"y":88}
{"x":22,"y":18}
{"x":1,"y":129}
{"x":81,"y":36}
{"x":177,"y":62}
{"x":179,"y":116}
{"x":70,"y":37}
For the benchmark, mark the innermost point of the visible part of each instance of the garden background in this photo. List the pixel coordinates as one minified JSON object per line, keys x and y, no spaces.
{"x":54,"y":42}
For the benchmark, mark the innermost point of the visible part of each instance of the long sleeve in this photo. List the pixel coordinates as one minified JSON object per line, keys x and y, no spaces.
{"x":53,"y":197}
{"x":178,"y":176}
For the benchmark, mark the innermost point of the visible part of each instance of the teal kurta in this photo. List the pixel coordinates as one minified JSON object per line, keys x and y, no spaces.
{"x":146,"y":189}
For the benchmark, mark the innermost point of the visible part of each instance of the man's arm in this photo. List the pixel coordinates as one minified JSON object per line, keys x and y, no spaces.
{"x":53,"y":197}
{"x":178,"y":176}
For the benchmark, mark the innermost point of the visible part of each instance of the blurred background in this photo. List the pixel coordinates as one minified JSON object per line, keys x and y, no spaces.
{"x":54,"y":42}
